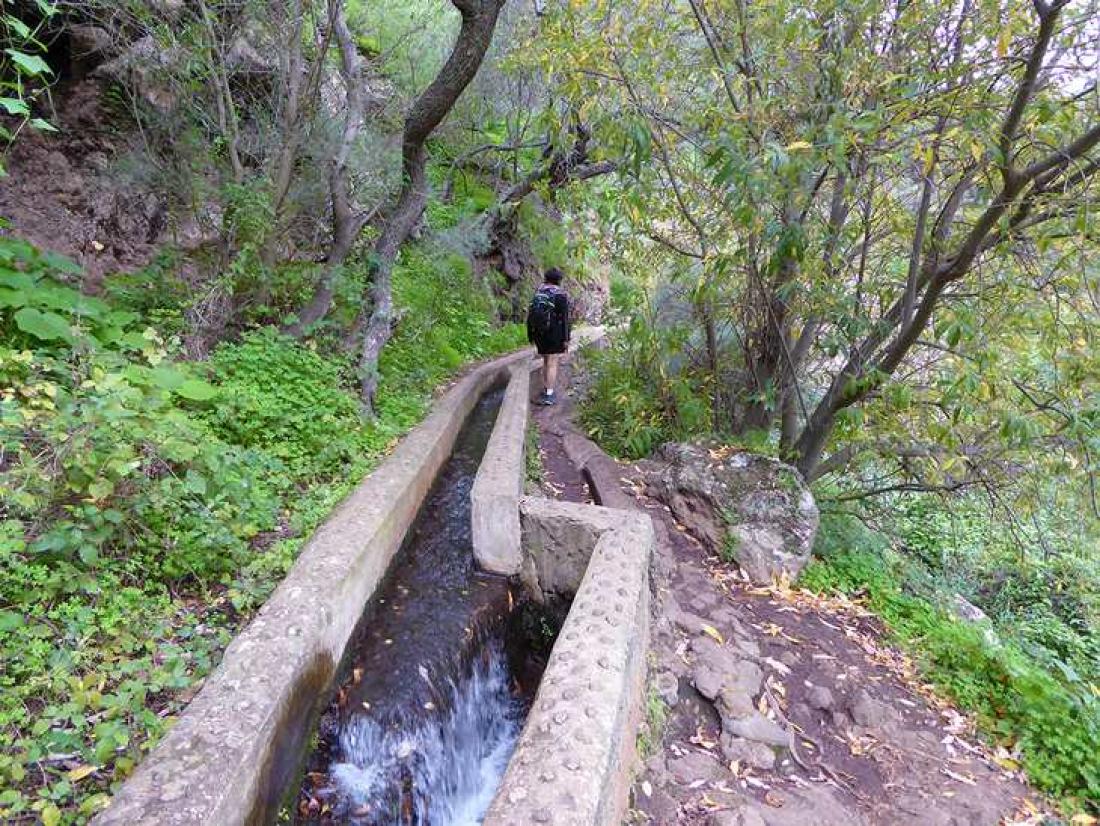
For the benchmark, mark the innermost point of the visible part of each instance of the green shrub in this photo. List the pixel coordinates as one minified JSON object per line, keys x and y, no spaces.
{"x":633,"y":403}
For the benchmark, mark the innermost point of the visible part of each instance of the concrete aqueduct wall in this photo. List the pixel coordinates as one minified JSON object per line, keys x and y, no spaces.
{"x":573,"y":761}
{"x":237,"y":747}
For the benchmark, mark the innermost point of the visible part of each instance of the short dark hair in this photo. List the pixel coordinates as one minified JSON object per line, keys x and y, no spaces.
{"x":553,"y":276}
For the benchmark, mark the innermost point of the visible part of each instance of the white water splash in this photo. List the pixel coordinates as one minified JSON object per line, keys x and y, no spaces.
{"x":443,"y":769}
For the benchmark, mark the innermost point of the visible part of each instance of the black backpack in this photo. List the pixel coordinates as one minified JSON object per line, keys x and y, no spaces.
{"x":543,"y":314}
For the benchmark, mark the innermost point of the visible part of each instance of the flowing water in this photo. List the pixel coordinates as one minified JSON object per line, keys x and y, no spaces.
{"x":422,"y":727}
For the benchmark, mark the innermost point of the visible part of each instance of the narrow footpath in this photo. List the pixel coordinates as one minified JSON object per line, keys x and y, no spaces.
{"x":825,"y":725}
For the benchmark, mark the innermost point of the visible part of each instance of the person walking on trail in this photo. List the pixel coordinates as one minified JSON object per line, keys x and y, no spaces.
{"x":548,"y":329}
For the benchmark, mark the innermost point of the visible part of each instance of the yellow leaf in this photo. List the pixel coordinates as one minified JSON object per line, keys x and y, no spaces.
{"x":1002,"y":42}
{"x":51,"y":816}
{"x":80,"y":772}
{"x":711,"y":631}
{"x":791,"y":147}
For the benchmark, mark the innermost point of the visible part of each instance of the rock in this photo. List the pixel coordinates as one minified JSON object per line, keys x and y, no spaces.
{"x":688,"y":622}
{"x":729,"y":817}
{"x":755,"y":506}
{"x":735,"y":818}
{"x":709,"y":651}
{"x":167,"y":8}
{"x":718,"y":670}
{"x":88,"y":41}
{"x":869,"y":712}
{"x":663,"y":807}
{"x":667,"y":686}
{"x":820,"y":698}
{"x":141,"y":66}
{"x":800,"y":711}
{"x":703,"y":602}
{"x":695,"y":766}
{"x":734,"y":703}
{"x":244,"y":58}
{"x":706,"y":680}
{"x":747,"y":647}
{"x":758,"y":728}
{"x":749,"y":752}
{"x":964,"y":609}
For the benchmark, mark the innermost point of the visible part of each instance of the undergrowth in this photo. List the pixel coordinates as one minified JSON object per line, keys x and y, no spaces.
{"x":150,"y":505}
{"x":1052,"y":716}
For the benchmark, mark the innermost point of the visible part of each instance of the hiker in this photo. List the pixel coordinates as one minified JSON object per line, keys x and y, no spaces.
{"x":548,"y":329}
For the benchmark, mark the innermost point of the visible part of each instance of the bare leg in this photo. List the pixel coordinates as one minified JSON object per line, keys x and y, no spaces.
{"x":550,"y":371}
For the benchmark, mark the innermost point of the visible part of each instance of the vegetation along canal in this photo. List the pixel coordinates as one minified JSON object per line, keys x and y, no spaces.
{"x":438,"y":681}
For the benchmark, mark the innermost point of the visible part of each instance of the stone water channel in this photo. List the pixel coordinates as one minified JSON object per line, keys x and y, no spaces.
{"x":437,"y":679}
{"x":423,"y":671}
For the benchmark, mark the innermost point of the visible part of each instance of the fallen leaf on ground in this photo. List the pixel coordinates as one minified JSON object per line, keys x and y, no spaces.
{"x":713,"y":632}
{"x":80,"y":772}
{"x":962,"y":778}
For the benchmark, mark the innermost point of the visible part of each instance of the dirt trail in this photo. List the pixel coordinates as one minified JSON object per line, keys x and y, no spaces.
{"x":838,"y":730}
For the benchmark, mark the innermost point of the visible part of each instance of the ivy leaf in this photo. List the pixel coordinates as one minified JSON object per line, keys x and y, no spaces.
{"x":21,"y":29}
{"x":42,"y":125}
{"x":15,"y":106}
{"x":12,"y":298}
{"x":10,"y":620}
{"x":30,"y":64}
{"x":167,"y":378}
{"x":46,"y":326}
{"x":197,"y":390}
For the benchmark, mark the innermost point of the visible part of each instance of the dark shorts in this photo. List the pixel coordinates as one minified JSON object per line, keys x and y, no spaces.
{"x":550,"y":348}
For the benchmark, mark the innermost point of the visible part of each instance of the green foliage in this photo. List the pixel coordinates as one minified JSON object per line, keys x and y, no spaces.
{"x":24,"y":75}
{"x":656,"y":717}
{"x":1053,"y":717}
{"x":412,"y":37}
{"x":445,"y":322}
{"x":150,"y":505}
{"x":290,"y":402}
{"x":469,"y":197}
{"x":634,"y":401}
{"x":533,"y":470}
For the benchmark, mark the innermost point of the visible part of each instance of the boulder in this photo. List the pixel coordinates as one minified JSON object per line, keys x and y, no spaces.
{"x":755,"y":508}
{"x":757,"y":728}
{"x":869,"y":712}
{"x":964,"y":609}
{"x":88,"y":41}
{"x":695,"y":766}
{"x":750,"y":752}
{"x":820,"y":698}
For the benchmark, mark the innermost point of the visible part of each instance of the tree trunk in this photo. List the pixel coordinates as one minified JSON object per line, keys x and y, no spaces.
{"x":479,"y":19}
{"x":346,"y":224}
